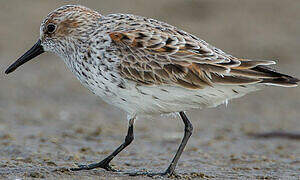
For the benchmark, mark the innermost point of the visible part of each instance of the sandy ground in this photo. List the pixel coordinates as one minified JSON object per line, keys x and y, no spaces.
{"x":48,"y":120}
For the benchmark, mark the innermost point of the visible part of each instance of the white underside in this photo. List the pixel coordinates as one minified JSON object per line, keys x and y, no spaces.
{"x":148,"y":100}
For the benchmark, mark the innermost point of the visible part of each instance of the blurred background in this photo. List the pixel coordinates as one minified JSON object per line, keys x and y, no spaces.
{"x":48,"y":120}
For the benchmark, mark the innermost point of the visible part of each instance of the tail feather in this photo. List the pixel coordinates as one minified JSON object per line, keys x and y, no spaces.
{"x":277,"y":79}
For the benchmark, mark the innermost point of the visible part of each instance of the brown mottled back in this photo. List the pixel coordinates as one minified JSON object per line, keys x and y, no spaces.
{"x":169,"y":56}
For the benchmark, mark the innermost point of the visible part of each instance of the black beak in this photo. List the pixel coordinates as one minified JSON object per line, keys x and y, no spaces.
{"x":36,"y":50}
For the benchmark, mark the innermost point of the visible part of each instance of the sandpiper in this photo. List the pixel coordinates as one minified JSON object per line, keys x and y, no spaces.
{"x":146,"y":67}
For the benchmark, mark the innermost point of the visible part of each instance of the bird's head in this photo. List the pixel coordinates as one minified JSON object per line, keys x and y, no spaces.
{"x":59,"y":30}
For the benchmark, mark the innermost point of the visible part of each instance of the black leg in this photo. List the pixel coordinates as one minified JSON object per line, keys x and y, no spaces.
{"x":188,"y":129}
{"x":105,"y":162}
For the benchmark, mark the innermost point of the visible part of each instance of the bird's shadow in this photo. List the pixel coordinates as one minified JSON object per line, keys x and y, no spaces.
{"x":276,"y":134}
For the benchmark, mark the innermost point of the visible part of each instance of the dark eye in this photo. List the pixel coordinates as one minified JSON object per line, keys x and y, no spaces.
{"x":51,"y":28}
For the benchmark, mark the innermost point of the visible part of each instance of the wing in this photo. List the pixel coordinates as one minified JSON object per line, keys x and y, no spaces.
{"x":154,"y":57}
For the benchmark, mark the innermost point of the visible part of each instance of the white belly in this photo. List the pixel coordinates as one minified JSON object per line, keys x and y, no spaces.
{"x":167,"y":99}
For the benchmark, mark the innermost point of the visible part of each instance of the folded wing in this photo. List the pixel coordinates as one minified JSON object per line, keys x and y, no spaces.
{"x":155,"y":57}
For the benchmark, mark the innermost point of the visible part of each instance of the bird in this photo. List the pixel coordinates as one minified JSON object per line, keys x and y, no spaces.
{"x":147,"y":67}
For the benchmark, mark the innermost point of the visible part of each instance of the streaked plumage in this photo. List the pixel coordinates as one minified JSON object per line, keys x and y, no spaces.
{"x":124,"y":58}
{"x":145,"y":66}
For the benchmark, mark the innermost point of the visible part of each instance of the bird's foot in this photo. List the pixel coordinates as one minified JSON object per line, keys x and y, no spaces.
{"x":165,"y":174}
{"x":101,"y":164}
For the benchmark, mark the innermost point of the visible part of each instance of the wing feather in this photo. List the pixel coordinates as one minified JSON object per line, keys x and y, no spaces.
{"x":154,"y":56}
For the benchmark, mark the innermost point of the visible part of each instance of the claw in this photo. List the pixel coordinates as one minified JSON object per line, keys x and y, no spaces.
{"x":150,"y":174}
{"x":109,"y":168}
{"x":93,"y":166}
{"x":80,"y":167}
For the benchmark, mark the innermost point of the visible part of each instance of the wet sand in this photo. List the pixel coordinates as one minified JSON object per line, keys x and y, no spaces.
{"x":49,"y":121}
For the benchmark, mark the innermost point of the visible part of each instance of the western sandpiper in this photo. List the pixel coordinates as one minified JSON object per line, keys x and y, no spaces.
{"x":145,"y":67}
